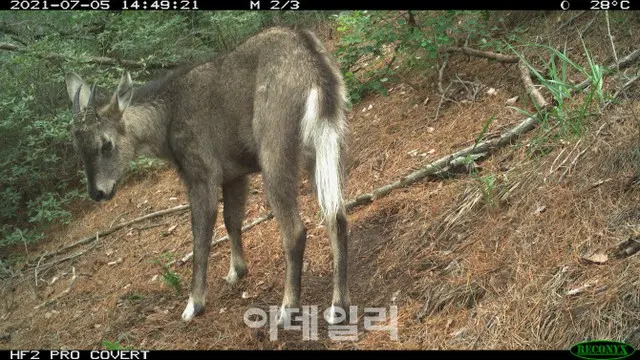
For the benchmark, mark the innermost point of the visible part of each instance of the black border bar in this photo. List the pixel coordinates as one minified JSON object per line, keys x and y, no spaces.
{"x":159,"y":354}
{"x":331,"y":5}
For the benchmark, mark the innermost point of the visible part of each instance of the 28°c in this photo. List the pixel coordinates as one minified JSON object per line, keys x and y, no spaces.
{"x":606,"y":4}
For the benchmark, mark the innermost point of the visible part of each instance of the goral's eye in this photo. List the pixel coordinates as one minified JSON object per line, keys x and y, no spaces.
{"x":107,"y":146}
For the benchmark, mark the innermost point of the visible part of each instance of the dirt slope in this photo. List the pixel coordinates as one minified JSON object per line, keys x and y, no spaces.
{"x":503,"y":268}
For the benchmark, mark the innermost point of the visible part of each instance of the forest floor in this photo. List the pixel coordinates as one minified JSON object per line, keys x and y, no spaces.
{"x":535,"y":250}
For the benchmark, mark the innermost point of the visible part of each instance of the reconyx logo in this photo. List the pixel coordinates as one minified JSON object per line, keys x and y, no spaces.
{"x":602,"y":350}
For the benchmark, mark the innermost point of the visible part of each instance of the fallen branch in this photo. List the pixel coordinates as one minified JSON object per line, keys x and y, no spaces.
{"x":98,"y":60}
{"x":444,"y":162}
{"x":528,"y":84}
{"x":625,"y":62}
{"x":49,"y":265}
{"x":92,"y":238}
{"x":613,"y":45}
{"x":9,"y":47}
{"x":622,"y":63}
{"x":484,"y":54}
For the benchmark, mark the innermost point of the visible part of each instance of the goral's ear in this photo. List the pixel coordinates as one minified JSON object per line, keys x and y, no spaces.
{"x":75,"y":84}
{"x":124,"y":92}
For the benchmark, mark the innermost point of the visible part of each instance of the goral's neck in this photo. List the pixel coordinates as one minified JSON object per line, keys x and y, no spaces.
{"x":147,"y":128}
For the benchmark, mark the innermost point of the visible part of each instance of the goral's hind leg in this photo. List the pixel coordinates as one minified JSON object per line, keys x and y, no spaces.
{"x":279,"y":172}
{"x":338,"y":235}
{"x":234,"y":196}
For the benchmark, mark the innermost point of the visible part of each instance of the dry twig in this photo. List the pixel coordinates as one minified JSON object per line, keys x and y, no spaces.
{"x":584,"y":30}
{"x":624,"y":87}
{"x":575,"y":160}
{"x":119,"y":216}
{"x":570,"y":20}
{"x":74,"y":277}
{"x":441,"y":74}
{"x":442,"y":99}
{"x":92,"y":238}
{"x":484,"y":54}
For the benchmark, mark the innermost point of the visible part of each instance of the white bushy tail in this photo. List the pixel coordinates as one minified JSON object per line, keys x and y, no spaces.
{"x":325,"y":137}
